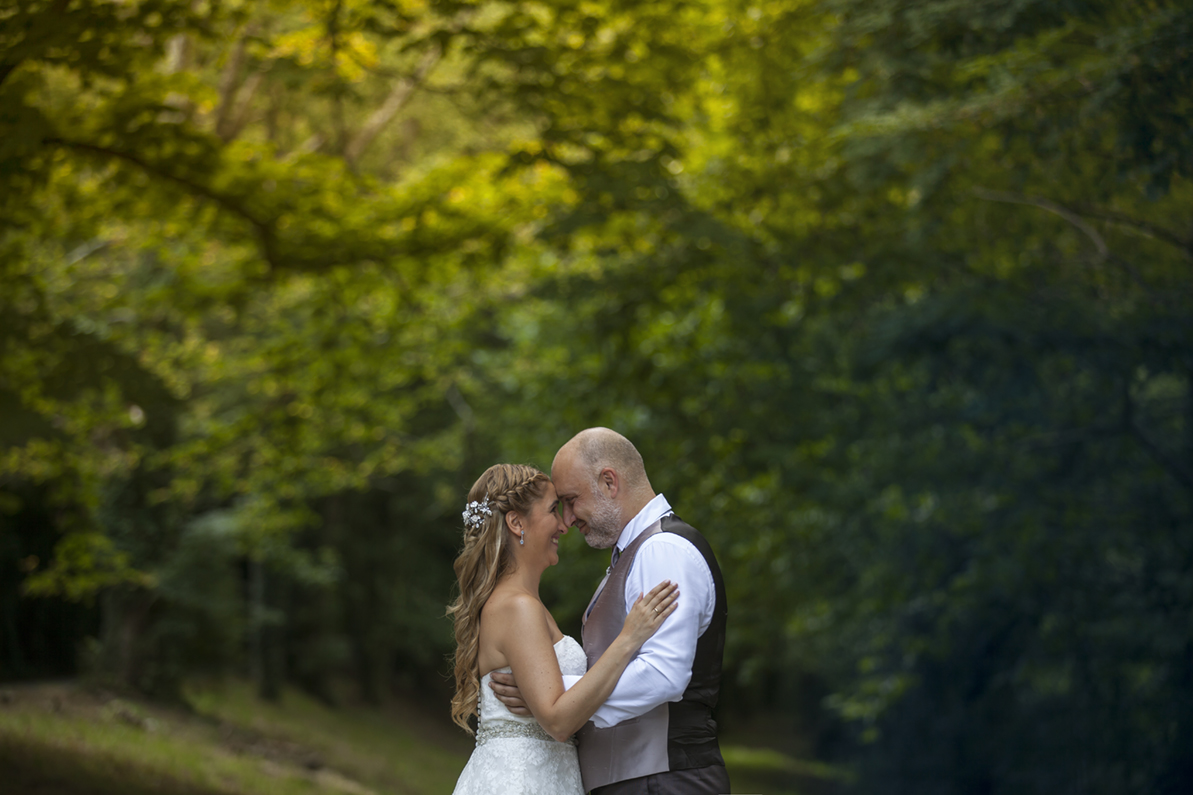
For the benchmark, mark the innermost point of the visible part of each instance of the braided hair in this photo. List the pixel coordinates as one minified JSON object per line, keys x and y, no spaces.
{"x":480,"y":566}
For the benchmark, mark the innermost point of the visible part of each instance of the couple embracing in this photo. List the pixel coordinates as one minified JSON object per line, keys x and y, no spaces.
{"x":639,"y":694}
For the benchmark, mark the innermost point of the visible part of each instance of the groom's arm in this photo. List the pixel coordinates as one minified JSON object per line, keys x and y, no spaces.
{"x":663,"y":667}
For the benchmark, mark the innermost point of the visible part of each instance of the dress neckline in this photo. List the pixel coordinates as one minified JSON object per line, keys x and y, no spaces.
{"x":506,"y":669}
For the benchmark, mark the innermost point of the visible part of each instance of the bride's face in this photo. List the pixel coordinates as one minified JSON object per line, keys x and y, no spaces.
{"x":545,"y":527}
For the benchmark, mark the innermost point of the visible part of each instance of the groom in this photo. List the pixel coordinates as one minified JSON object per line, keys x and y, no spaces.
{"x":655,"y":734}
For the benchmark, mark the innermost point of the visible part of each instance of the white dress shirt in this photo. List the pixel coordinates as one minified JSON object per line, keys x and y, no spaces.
{"x":662,"y":668}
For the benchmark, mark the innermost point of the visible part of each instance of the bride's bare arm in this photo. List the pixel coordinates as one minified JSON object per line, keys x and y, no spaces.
{"x":526,"y":643}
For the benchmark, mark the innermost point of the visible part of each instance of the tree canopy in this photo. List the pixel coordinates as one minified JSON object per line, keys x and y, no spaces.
{"x":894,"y":297}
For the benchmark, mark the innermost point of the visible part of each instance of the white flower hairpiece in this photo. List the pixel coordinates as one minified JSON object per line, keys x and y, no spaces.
{"x":475,"y":513}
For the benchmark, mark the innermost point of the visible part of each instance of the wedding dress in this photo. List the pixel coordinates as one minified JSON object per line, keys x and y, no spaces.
{"x":516,"y":756}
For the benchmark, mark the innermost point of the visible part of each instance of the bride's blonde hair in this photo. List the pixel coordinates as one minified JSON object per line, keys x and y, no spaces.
{"x":481,"y":565}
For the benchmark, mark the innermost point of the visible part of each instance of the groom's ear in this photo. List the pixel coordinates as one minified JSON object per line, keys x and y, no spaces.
{"x":609,"y":481}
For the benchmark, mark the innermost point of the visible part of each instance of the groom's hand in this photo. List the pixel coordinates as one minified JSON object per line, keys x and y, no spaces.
{"x":508,"y":693}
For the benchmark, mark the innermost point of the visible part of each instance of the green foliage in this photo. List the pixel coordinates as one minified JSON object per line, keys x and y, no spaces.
{"x":84,"y":563}
{"x":892,"y":296}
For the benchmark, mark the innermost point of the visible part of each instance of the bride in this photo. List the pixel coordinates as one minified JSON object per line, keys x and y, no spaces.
{"x":511,"y":535}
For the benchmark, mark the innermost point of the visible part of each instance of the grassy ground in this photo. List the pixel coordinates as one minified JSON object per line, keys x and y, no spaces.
{"x":67,"y":739}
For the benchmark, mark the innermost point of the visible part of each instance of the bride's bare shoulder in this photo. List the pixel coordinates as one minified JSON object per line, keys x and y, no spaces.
{"x":516,"y":615}
{"x":511,"y":606}
{"x":509,"y":616}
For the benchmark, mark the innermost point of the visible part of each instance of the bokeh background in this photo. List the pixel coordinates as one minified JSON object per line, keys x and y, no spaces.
{"x":895,"y":298}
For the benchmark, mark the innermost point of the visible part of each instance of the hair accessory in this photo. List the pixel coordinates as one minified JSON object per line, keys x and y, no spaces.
{"x":475,"y":513}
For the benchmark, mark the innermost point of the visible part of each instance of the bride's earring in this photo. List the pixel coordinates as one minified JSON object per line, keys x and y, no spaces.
{"x":522,"y":539}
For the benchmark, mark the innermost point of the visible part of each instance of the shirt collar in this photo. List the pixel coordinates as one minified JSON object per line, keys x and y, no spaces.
{"x":651,"y":512}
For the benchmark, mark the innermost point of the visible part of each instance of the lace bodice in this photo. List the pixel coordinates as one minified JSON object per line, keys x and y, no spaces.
{"x":514,"y":755}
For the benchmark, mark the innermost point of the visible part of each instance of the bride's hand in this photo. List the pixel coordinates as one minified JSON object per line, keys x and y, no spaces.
{"x":649,"y":612}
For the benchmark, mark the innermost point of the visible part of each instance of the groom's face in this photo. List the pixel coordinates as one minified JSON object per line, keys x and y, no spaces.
{"x":595,"y":514}
{"x":574,"y":493}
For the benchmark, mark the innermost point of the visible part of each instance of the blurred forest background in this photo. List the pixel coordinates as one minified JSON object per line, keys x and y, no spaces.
{"x":896,"y":298}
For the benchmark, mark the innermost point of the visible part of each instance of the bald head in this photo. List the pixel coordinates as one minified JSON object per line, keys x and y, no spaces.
{"x":601,"y":482}
{"x":595,"y":449}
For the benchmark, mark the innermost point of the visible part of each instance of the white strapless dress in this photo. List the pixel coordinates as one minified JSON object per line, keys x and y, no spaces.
{"x":516,"y":756}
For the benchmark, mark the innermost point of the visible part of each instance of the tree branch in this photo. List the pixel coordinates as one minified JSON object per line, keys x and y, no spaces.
{"x":1068,"y":436}
{"x":1146,"y":227}
{"x":236,"y":121}
{"x":1074,"y":218}
{"x":337,"y":92}
{"x":1050,"y":206}
{"x":397,"y":99}
{"x":235,"y":97}
{"x":178,"y":53}
{"x":308,"y":147}
{"x":263,"y":230}
{"x":228,"y":85}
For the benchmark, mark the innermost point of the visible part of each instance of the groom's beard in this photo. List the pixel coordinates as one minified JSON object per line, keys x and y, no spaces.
{"x":605,"y":525}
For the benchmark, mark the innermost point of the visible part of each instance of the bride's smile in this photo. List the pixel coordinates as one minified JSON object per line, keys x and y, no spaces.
{"x":543,"y":523}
